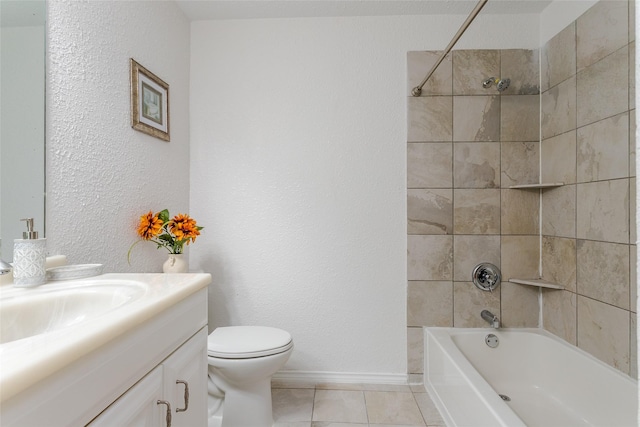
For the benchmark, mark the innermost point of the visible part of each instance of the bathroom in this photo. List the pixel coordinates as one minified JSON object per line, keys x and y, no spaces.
{"x":289,"y":145}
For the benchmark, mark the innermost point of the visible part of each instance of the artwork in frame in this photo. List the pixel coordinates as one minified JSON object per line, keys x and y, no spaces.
{"x":149,"y":102}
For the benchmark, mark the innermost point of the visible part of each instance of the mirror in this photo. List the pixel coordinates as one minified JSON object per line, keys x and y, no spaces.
{"x":22,"y":119}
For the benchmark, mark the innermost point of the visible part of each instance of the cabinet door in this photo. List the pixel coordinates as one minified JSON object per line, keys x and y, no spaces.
{"x":138,"y":406}
{"x":186,"y":369}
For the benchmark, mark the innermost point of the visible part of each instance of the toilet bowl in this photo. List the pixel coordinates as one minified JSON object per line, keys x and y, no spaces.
{"x":242,"y":360}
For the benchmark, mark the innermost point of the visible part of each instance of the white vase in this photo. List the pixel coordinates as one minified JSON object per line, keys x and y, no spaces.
{"x":175,"y":263}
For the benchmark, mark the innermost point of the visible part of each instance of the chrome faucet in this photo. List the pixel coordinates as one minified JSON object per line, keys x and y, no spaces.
{"x":491,"y":318}
{"x":5,"y":267}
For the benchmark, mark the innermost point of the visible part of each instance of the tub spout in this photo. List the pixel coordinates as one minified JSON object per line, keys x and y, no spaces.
{"x":491,"y":318}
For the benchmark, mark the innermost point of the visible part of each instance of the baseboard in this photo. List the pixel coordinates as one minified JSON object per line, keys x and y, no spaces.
{"x":321,"y":377}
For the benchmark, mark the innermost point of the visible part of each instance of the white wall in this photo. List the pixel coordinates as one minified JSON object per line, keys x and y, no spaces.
{"x":298,"y":173}
{"x":101,"y":174}
{"x":22,"y":133}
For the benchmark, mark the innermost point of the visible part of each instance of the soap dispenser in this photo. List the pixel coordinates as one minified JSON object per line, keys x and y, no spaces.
{"x":29,"y":258}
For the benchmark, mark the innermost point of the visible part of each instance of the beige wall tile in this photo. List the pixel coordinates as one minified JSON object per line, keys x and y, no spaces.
{"x":429,"y":257}
{"x":632,"y":143}
{"x":632,"y":211}
{"x":596,"y":101}
{"x":632,"y":20}
{"x":520,"y":118}
{"x":603,"y":272}
{"x":520,"y":307}
{"x":429,"y":303}
{"x":520,"y":212}
{"x":558,"y":57}
{"x":559,"y":261}
{"x":470,"y":251}
{"x":632,"y":75}
{"x":469,"y":301}
{"x":471,"y":68}
{"x":559,"y":108}
{"x":429,"y":119}
{"x":520,"y":163}
{"x":476,"y":165}
{"x":429,"y":211}
{"x":633,"y":278}
{"x":415,"y":350}
{"x":559,"y":314}
{"x":558,"y":163}
{"x":520,"y":257}
{"x":603,"y":211}
{"x":477,"y":211}
{"x":603,"y":149}
{"x":601,"y":30}
{"x":559,"y":211}
{"x":419,"y":64}
{"x":429,"y":165}
{"x":476,"y":118}
{"x":522,"y":67}
{"x":633,"y":345}
{"x":603,"y":331}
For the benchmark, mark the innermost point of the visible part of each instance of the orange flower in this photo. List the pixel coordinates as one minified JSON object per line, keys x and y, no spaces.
{"x":184,"y":228}
{"x":150,"y":226}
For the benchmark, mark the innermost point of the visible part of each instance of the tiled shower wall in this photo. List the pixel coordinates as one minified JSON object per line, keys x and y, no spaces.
{"x":467,"y":145}
{"x":588,"y":142}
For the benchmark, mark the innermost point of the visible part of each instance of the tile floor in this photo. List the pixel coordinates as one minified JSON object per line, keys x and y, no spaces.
{"x":353,"y":405}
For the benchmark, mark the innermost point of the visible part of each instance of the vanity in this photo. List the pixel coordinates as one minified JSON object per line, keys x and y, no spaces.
{"x":112,"y":350}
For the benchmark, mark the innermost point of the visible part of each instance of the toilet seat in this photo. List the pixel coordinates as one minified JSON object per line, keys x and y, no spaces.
{"x":246,"y":342}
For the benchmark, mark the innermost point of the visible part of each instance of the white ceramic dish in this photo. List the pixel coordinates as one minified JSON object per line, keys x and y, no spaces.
{"x":78,"y":271}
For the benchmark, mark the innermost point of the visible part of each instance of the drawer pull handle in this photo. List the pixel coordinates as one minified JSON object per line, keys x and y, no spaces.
{"x":164,"y":402}
{"x":186,"y":396}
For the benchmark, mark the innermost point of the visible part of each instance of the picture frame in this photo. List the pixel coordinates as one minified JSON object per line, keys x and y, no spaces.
{"x":149,"y":102}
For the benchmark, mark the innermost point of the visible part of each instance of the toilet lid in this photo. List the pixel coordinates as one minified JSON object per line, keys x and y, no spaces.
{"x":244,"y":342}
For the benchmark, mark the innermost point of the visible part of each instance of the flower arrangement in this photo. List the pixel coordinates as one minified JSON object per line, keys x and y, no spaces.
{"x":166,"y":232}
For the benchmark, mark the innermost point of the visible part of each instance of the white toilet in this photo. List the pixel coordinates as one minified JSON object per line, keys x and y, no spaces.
{"x":242,"y":360}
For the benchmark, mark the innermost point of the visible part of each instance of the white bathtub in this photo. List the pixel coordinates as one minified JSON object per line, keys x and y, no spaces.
{"x":550,"y":382}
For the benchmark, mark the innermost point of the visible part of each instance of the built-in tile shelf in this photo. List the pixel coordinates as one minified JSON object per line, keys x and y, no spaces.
{"x":537,"y":186}
{"x":537,"y":282}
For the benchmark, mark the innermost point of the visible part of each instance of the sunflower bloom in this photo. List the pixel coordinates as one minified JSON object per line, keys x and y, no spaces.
{"x":184,"y":228}
{"x":150,"y":226}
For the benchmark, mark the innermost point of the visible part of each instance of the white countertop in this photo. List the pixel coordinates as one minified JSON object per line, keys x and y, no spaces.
{"x":27,"y":361}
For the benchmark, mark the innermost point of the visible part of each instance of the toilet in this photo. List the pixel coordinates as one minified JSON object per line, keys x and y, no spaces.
{"x":242,"y":360}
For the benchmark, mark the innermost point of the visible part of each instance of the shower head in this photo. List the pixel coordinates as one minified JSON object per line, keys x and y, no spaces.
{"x":501,"y":84}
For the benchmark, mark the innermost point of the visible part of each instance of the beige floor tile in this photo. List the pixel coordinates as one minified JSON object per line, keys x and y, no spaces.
{"x":290,"y":405}
{"x":343,"y":406}
{"x":292,"y":424}
{"x":334,"y":424}
{"x":400,"y":408}
{"x":339,"y":386}
{"x":429,"y":410}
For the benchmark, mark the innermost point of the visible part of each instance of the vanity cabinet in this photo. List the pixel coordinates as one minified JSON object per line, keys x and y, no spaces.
{"x":119,"y":383}
{"x":177,"y":388}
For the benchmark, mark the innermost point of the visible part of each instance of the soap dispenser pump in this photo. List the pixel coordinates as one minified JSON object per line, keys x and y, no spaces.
{"x":29,"y":258}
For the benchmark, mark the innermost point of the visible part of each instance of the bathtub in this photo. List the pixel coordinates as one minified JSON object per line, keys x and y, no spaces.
{"x":532,"y":378}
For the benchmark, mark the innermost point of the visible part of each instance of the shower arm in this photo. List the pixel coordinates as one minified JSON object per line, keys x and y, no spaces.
{"x":418,"y":89}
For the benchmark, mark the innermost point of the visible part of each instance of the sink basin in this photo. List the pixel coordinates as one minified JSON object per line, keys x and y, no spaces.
{"x":44,"y":310}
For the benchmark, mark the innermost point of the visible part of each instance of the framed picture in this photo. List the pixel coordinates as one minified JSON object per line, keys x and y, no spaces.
{"x":149,"y":102}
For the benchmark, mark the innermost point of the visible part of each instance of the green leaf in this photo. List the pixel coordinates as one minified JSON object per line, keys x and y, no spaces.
{"x":164,"y":215}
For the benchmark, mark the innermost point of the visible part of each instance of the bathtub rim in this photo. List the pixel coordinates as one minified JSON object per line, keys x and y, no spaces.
{"x":495,"y":407}
{"x":443,"y":338}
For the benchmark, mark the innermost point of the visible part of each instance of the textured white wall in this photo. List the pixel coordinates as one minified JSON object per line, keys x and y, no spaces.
{"x":101,"y":174}
{"x":298,"y":172}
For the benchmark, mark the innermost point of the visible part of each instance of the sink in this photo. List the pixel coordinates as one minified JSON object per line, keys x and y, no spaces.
{"x":35,"y":312}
